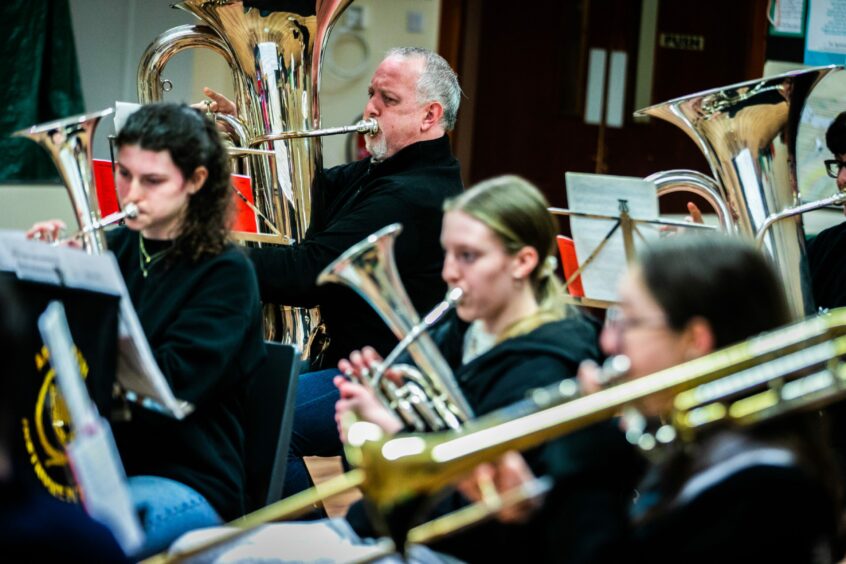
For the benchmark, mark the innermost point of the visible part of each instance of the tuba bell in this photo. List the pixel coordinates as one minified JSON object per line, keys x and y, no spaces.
{"x":68,"y":142}
{"x":747,"y":132}
{"x":275,"y":62}
{"x":430,"y":398}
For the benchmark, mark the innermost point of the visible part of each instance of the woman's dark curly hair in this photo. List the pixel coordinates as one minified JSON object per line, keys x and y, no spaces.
{"x":192,"y":141}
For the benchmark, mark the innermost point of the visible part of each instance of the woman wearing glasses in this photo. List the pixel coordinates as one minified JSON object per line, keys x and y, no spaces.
{"x":761,"y":494}
{"x":827,"y":250}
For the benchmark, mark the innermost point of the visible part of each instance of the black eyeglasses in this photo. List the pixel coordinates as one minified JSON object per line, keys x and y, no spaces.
{"x":833,"y":167}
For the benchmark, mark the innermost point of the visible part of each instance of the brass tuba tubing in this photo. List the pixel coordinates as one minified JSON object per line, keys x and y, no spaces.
{"x":275,"y":58}
{"x":437,"y":313}
{"x":369,"y":268}
{"x":747,"y":132}
{"x":835,"y":200}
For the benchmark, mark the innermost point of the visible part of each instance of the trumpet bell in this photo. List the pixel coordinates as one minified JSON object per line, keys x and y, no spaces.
{"x":68,"y":142}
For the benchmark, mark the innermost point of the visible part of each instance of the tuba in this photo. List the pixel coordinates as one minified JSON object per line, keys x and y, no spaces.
{"x":275,"y":62}
{"x":68,"y":142}
{"x":797,"y":367}
{"x":430,"y":398}
{"x":747,"y":132}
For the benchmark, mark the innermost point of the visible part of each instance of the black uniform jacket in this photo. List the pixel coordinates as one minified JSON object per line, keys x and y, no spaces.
{"x":203,"y":324}
{"x":350,"y":202}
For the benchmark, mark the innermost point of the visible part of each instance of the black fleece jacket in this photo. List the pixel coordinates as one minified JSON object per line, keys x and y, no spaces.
{"x":203,"y":324}
{"x":586,"y":508}
{"x":350,"y":202}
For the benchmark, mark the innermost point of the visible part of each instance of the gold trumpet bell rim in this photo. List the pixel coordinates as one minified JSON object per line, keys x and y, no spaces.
{"x":821,"y":70}
{"x":62,"y":123}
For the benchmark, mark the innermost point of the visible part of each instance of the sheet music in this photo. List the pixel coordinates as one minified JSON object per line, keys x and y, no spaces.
{"x":93,"y":456}
{"x":137,"y":371}
{"x":601,"y":194}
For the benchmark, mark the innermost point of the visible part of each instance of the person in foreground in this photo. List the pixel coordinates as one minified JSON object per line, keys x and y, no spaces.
{"x":196,"y":296}
{"x":764,"y":493}
{"x":511,"y":333}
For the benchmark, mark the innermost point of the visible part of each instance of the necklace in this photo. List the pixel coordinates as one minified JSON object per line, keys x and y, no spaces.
{"x":147,"y":260}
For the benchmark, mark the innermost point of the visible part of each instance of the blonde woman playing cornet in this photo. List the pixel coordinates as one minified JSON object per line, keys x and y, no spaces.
{"x":510,"y":333}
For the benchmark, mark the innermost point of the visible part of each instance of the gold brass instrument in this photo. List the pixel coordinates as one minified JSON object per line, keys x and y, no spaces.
{"x":747,"y":132}
{"x":68,"y":142}
{"x":799,"y":366}
{"x":275,"y":61}
{"x":430,"y":398}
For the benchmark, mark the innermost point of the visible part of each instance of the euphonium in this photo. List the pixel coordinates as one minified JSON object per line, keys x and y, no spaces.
{"x":799,"y":366}
{"x":275,"y":61}
{"x":747,"y":133}
{"x":430,"y":398}
{"x":68,"y":142}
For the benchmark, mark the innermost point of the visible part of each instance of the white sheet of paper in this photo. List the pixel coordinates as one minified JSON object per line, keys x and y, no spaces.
{"x":601,"y":194}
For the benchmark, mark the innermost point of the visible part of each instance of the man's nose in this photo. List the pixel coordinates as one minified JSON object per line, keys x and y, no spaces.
{"x":370,"y":109}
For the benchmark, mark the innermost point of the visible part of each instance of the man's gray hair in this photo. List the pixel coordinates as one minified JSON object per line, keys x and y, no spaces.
{"x":437,"y":83}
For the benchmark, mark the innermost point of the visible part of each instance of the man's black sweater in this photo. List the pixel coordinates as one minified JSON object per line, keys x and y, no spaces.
{"x":351,"y":202}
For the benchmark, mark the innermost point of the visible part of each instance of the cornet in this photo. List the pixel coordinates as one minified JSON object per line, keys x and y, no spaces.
{"x":431,"y":399}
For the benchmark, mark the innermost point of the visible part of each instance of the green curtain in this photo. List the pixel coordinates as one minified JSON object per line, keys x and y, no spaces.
{"x":41,"y":79}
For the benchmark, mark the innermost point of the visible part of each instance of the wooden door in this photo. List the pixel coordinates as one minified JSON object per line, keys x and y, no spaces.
{"x":524,"y":67}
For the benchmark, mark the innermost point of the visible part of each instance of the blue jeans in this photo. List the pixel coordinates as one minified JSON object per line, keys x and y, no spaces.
{"x":314,"y":432}
{"x":168,"y":509}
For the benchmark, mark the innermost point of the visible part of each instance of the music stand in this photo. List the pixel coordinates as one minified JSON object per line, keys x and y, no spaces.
{"x":622,"y":222}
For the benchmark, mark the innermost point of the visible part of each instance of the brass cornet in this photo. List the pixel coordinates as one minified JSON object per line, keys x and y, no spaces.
{"x":430,"y":397}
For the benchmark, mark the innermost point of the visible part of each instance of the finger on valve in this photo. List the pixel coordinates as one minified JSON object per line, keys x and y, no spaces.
{"x":48,"y":231}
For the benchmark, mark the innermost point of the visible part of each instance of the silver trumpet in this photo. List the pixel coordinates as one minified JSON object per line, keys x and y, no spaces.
{"x":429,"y":397}
{"x":130,"y":211}
{"x":68,"y":142}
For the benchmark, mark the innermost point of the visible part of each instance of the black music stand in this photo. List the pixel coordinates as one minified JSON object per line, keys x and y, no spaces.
{"x":92,"y":317}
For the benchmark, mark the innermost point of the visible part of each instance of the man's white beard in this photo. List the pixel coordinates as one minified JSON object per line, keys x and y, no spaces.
{"x":377,"y":147}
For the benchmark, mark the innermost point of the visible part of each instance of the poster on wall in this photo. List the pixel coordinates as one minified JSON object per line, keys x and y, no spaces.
{"x":786,"y":17}
{"x":825,"y":42}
